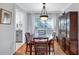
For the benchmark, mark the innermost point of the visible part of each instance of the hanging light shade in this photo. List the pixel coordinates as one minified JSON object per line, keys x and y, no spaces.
{"x":44,"y":15}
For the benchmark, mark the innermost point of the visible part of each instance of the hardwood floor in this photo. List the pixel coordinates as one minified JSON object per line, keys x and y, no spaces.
{"x":57,"y":50}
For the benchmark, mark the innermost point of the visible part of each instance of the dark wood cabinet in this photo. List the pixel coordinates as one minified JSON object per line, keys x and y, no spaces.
{"x":69,"y":28}
{"x":73,"y":39}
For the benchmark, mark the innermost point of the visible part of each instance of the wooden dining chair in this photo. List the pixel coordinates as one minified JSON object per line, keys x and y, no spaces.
{"x":51,"y":45}
{"x":27,"y":36}
{"x":41,"y":46}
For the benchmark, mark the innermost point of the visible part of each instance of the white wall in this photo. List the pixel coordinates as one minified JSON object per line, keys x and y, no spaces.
{"x":7,"y":33}
{"x":30,"y":23}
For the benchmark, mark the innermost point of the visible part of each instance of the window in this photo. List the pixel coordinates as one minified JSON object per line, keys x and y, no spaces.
{"x":45,"y":27}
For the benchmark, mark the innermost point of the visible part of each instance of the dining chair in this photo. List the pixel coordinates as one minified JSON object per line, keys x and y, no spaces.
{"x":41,"y":46}
{"x":27,"y":36}
{"x":51,"y":44}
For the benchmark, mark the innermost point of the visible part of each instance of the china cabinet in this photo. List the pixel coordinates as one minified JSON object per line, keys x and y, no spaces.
{"x":68,"y":32}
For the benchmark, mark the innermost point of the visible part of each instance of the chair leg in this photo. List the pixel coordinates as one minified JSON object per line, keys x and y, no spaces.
{"x":30,"y":46}
{"x":49,"y":48}
{"x":53,"y":48}
{"x":46,"y":51}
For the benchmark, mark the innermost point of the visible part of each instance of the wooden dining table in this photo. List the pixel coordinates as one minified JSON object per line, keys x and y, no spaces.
{"x":32,"y":42}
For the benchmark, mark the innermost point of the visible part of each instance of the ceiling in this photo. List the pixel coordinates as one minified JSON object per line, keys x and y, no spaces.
{"x":37,"y":7}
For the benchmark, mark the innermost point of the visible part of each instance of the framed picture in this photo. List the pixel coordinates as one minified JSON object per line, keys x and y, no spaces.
{"x":5,"y":16}
{"x":42,"y":32}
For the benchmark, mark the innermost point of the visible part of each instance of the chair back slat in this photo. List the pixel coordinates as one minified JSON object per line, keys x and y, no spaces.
{"x":27,"y":36}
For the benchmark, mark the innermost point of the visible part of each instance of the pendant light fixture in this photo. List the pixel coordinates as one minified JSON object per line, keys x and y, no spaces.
{"x":44,"y":15}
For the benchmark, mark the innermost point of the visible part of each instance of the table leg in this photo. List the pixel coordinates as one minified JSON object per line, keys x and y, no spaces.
{"x":30,"y":49}
{"x":49,"y":48}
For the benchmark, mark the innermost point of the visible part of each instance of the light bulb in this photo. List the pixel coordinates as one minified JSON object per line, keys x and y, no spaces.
{"x":44,"y":18}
